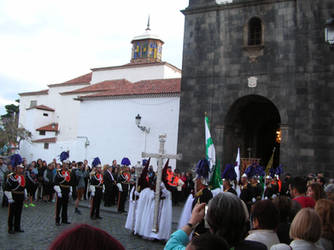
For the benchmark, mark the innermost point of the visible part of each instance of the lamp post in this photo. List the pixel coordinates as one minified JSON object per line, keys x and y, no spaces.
{"x":146,"y":130}
{"x":329,"y":32}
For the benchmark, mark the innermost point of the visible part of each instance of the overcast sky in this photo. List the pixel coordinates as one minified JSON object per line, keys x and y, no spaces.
{"x":45,"y":42}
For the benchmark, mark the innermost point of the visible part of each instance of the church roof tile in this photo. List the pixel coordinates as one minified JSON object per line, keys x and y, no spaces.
{"x":40,"y":92}
{"x":144,"y":87}
{"x":50,"y":127}
{"x":84,"y":79}
{"x":101,"y":86}
{"x":42,"y":107}
{"x":46,"y":140}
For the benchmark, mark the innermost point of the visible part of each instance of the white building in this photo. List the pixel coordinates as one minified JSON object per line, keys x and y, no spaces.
{"x":94,"y":114}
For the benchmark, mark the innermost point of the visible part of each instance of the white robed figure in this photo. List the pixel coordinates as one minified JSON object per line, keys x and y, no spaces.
{"x":133,"y":200}
{"x":129,"y":224}
{"x":186,"y":212}
{"x":138,"y":209}
{"x":165,"y":212}
{"x":144,"y":213}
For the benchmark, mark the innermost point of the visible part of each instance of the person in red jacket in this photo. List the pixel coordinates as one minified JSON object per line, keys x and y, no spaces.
{"x":298,"y":191}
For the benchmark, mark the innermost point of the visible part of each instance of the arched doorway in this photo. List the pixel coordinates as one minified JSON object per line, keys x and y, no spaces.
{"x":251,"y":124}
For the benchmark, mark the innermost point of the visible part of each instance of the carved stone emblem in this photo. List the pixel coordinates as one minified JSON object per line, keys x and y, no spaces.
{"x":252,"y":82}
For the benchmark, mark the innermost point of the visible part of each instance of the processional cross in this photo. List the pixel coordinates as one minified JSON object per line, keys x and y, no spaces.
{"x":160,"y":156}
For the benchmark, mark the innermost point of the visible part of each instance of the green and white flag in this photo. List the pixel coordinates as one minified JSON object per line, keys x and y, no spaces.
{"x":210,"y":151}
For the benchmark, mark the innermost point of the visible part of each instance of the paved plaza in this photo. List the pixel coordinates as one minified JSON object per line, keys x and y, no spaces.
{"x":40,"y":229}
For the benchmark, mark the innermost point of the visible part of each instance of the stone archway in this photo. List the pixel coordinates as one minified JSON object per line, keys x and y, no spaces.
{"x":251,"y":124}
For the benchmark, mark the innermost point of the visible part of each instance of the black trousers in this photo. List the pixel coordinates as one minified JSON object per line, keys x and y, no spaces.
{"x":74,"y":193}
{"x":107,"y":196}
{"x":14,"y":215}
{"x":122,"y":199}
{"x":61,"y":205}
{"x":95,"y":210}
{"x":114,"y":194}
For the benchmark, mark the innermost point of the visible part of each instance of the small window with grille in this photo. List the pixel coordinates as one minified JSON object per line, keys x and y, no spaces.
{"x":255,"y":31}
{"x":33,"y":103}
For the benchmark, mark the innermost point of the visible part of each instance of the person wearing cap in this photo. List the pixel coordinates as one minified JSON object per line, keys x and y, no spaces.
{"x":202,"y":192}
{"x":16,"y":194}
{"x":255,"y":189}
{"x":123,"y":184}
{"x":63,"y":190}
{"x":96,"y":190}
{"x":269,"y":188}
{"x":229,"y":175}
{"x":228,"y":187}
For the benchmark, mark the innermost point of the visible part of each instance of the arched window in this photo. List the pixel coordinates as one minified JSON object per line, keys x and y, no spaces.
{"x":255,"y":31}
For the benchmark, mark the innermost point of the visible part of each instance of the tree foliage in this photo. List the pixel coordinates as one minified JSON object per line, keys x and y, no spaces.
{"x":10,"y":132}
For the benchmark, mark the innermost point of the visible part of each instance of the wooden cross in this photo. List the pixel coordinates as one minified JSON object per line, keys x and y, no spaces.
{"x":160,"y":156}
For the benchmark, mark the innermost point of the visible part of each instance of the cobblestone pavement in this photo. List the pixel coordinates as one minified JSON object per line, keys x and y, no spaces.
{"x":40,"y":229}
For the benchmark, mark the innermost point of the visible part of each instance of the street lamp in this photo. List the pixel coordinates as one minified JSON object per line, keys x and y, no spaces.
{"x":142,"y":128}
{"x":329,"y":32}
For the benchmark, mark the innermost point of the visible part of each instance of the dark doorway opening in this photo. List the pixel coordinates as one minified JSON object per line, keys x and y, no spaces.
{"x":252,"y":124}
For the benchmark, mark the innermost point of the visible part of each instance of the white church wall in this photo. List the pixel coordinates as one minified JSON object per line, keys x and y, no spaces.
{"x":68,"y":111}
{"x":25,"y":104}
{"x":134,"y":74}
{"x":34,"y":151}
{"x":112,"y":132}
{"x":35,"y":118}
{"x":171,"y":73}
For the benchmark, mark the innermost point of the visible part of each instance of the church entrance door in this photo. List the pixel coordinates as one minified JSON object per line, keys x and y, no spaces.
{"x":253,"y":124}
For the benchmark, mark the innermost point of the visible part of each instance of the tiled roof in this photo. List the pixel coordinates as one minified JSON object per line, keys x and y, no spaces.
{"x":132,"y":65}
{"x":41,"y":92}
{"x":42,"y":107}
{"x":84,"y":79}
{"x":145,"y":87}
{"x":101,"y":86}
{"x":47,"y":140}
{"x":50,"y":127}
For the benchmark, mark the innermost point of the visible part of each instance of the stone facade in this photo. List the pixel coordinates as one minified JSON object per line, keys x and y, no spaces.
{"x":294,"y":70}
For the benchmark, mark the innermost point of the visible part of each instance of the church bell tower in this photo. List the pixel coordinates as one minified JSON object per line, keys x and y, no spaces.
{"x":146,"y":48}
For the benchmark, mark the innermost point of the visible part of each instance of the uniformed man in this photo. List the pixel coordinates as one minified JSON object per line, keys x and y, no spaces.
{"x":202,"y":192}
{"x":123,"y":182}
{"x":271,"y":188}
{"x":63,"y":190}
{"x":96,"y":189}
{"x":229,"y":175}
{"x":109,"y":182}
{"x":16,"y":194}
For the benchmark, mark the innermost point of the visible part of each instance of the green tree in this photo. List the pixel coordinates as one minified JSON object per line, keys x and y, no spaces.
{"x":10,"y":132}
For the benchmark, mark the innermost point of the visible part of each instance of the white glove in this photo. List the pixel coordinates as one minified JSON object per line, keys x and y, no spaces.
{"x":119,"y":185}
{"x":266,"y":198}
{"x":253,"y":200}
{"x":92,"y":191}
{"x":70,"y":194}
{"x":59,"y":195}
{"x":10,"y":201}
{"x":274,"y":196}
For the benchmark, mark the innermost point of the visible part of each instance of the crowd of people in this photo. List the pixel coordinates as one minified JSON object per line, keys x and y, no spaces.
{"x":259,"y":211}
